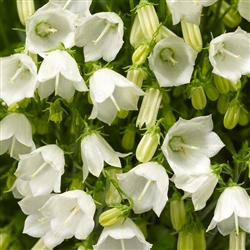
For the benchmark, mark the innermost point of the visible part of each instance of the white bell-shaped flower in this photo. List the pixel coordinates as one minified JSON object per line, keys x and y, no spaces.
{"x":95,"y":151}
{"x":101,"y":35}
{"x":81,"y":8}
{"x":189,"y":11}
{"x":172,"y":61}
{"x":197,"y":186}
{"x":47,"y":27}
{"x":16,"y":135}
{"x":111,"y":92}
{"x":18,"y":78}
{"x":147,"y":185}
{"x":20,"y":189}
{"x":59,"y":73}
{"x":244,"y":9}
{"x":229,"y":55}
{"x":232,"y":211}
{"x":122,"y":235}
{"x":70,"y":214}
{"x":42,"y":169}
{"x":189,"y":144}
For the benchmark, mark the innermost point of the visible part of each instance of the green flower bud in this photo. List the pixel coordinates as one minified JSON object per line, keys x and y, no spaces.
{"x":140,"y":54}
{"x":233,"y":87}
{"x":122,"y":113}
{"x":185,"y":241}
{"x":25,"y":8}
{"x":5,"y":240}
{"x":221,"y":84}
{"x":56,"y":111}
{"x":199,"y":240}
{"x":198,"y":98}
{"x":244,"y":117}
{"x":237,"y":242}
{"x":136,"y":34}
{"x":169,"y":116}
{"x":128,"y":139}
{"x":137,"y":76}
{"x":192,"y":35}
{"x":231,"y":117}
{"x":112,"y":216}
{"x":177,"y":213}
{"x":211,"y":92}
{"x":222,"y":103}
{"x":165,"y":32}
{"x":76,"y":184}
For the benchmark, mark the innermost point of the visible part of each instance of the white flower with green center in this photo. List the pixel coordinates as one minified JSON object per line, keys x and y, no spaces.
{"x":16,"y":135}
{"x":19,"y":78}
{"x":189,"y":11}
{"x":81,"y":8}
{"x":95,"y":151}
{"x":189,"y":144}
{"x":111,"y":92}
{"x":101,"y":35}
{"x":59,"y":73}
{"x":147,"y":185}
{"x":244,"y":9}
{"x":232,"y":211}
{"x":70,"y":214}
{"x":49,"y":26}
{"x":172,"y":61}
{"x":229,"y":55}
{"x":42,"y":169}
{"x":122,"y":235}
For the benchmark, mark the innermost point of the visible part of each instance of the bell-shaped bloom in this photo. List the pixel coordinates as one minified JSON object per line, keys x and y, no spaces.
{"x":147,"y":185}
{"x":197,"y":186}
{"x":18,"y":78}
{"x":232,"y":211}
{"x":16,"y":135}
{"x":244,"y":9}
{"x":101,"y":35}
{"x":189,"y":11}
{"x":59,"y":73}
{"x":95,"y":151}
{"x":49,"y":26}
{"x":122,"y":235}
{"x":70,"y":214}
{"x":229,"y":55}
{"x":172,"y":61}
{"x":42,"y":169}
{"x":111,"y":92}
{"x":20,"y":189}
{"x":189,"y":144}
{"x":81,"y":8}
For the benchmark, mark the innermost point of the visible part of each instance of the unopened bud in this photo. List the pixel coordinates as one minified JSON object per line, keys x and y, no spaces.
{"x":221,"y":83}
{"x":185,"y":241}
{"x":233,"y":87}
{"x":25,"y":8}
{"x":199,"y":240}
{"x":55,"y":111}
{"x":198,"y":98}
{"x":237,"y":242}
{"x":128,"y":139}
{"x":137,"y":76}
{"x":231,"y":117}
{"x":244,"y":117}
{"x":211,"y":91}
{"x":165,"y":32}
{"x":136,"y":34}
{"x":111,"y":216}
{"x":169,"y":117}
{"x":122,"y":113}
{"x":177,"y":213}
{"x":222,"y":103}
{"x":140,"y":54}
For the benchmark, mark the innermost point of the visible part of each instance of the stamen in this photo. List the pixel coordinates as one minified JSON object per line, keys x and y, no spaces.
{"x":176,"y":144}
{"x":122,"y":244}
{"x":236,"y":224}
{"x":44,"y":29}
{"x":18,"y":72}
{"x":225,"y":51}
{"x":57,"y":84}
{"x":115,"y":103}
{"x":38,"y":170}
{"x":105,"y":30}
{"x":12,"y":146}
{"x":66,"y":4}
{"x":145,"y":190}
{"x":167,"y":55}
{"x":42,"y":220}
{"x":73,"y":212}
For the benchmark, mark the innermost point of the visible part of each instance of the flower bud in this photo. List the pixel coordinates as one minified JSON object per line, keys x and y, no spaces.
{"x":221,"y":84}
{"x":76,"y":184}
{"x":177,"y":213}
{"x":55,"y":111}
{"x":244,"y":117}
{"x":165,"y":32}
{"x":5,"y":239}
{"x":192,"y":35}
{"x":128,"y":139}
{"x":137,"y":76}
{"x":185,"y":241}
{"x":136,"y":34}
{"x":148,"y":145}
{"x":199,"y":240}
{"x":140,"y":54}
{"x":122,"y":113}
{"x":211,"y":92}
{"x":25,"y":8}
{"x":111,"y":216}
{"x":237,"y":242}
{"x":169,"y":116}
{"x":198,"y":97}
{"x":231,"y":117}
{"x":222,"y":103}
{"x":233,"y":87}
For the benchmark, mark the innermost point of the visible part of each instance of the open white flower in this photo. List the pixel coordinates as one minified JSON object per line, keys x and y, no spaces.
{"x":18,"y":78}
{"x":232,"y":211}
{"x":101,"y":35}
{"x":172,"y":61}
{"x":95,"y":151}
{"x":16,"y":135}
{"x":70,"y":214}
{"x":42,"y":169}
{"x":147,"y":185}
{"x":122,"y":235}
{"x":111,"y":92}
{"x":229,"y":55}
{"x":59,"y":73}
{"x":189,"y":144}
{"x":244,"y":9}
{"x":189,"y":11}
{"x":47,"y":27}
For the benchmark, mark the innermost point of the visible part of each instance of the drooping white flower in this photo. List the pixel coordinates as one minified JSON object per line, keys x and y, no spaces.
{"x":59,"y":73}
{"x":230,"y":56}
{"x":244,"y":9}
{"x":95,"y":151}
{"x":47,"y":27}
{"x":81,"y":8}
{"x":122,"y":235}
{"x":42,"y":169}
{"x":70,"y":214}
{"x":199,"y":186}
{"x":147,"y":185}
{"x":189,"y":144}
{"x":101,"y":35}
{"x":172,"y":61}
{"x":232,"y":211}
{"x":16,"y":135}
{"x":189,"y":11}
{"x":20,"y":189}
{"x":111,"y":92}
{"x":18,"y":78}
